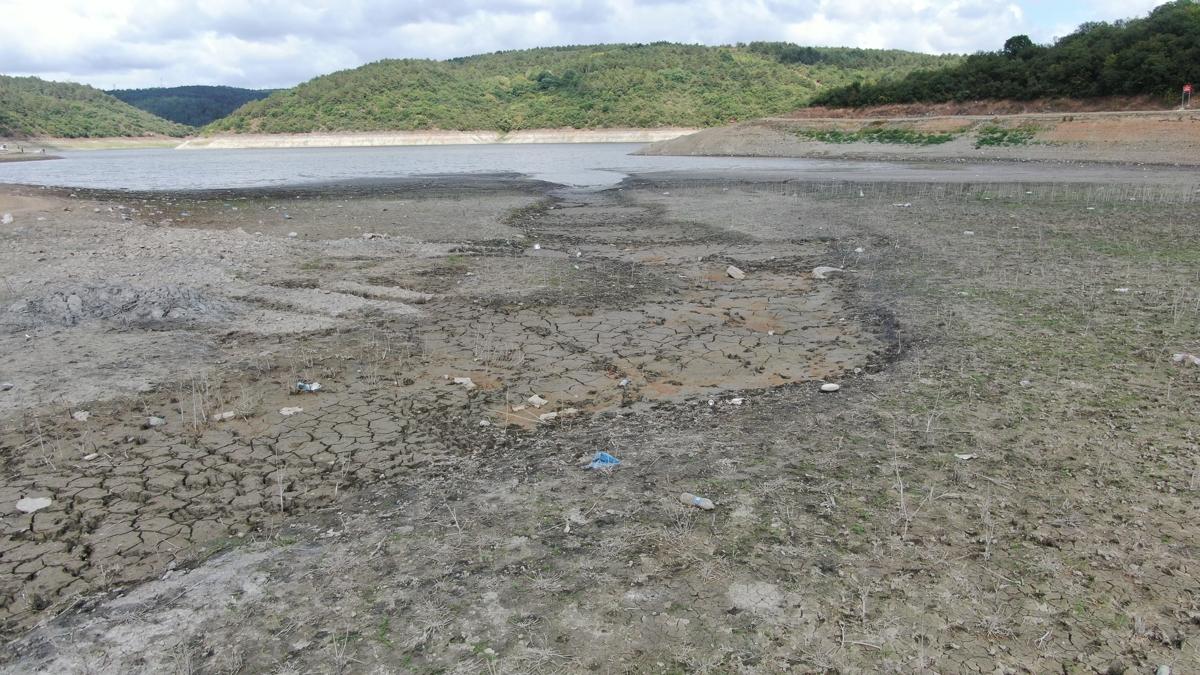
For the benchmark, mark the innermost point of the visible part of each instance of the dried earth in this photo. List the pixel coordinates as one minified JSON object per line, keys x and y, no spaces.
{"x":1005,"y":481}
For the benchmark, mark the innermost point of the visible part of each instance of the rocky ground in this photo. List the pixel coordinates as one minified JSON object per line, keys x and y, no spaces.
{"x":1004,"y":481}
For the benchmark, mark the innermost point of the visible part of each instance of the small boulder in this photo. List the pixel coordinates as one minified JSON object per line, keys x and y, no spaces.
{"x":735,"y":273}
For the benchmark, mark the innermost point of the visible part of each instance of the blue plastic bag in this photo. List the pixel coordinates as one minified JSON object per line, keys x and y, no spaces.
{"x":603,"y":460}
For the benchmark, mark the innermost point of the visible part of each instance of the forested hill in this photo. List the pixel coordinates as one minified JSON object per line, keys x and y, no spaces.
{"x":620,"y":85}
{"x":1155,"y":55}
{"x":192,"y":105}
{"x":33,"y":107}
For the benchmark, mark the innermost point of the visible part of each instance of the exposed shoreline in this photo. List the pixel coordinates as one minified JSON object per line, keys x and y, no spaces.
{"x":408,"y":138}
{"x":1167,"y":138}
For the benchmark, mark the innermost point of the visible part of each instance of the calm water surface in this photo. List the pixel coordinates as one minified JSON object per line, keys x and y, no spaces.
{"x":577,"y":165}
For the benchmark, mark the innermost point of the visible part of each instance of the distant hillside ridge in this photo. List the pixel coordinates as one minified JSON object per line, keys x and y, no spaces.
{"x":1151,"y":56}
{"x":32,"y":107}
{"x":193,"y":105}
{"x":590,"y":86}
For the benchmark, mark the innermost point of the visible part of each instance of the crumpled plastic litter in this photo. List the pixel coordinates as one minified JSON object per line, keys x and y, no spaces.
{"x":603,"y":460}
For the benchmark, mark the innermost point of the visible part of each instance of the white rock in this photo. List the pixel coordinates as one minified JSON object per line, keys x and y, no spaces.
{"x":537,"y":401}
{"x":293,"y":235}
{"x":1120,"y":290}
{"x":288,"y":412}
{"x":735,"y":273}
{"x":859,"y":249}
{"x":465,"y":381}
{"x":31,"y":504}
{"x":519,"y":408}
{"x":537,"y":247}
{"x":6,"y":219}
{"x":225,"y":416}
{"x":823,"y":272}
{"x":81,"y":415}
{"x":830,"y":387}
{"x":155,"y":421}
{"x":547,"y":417}
{"x":90,"y":457}
{"x":969,"y":233}
{"x":966,"y":457}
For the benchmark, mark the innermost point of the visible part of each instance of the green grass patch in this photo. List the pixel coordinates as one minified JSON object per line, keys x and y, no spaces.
{"x":876,"y":135}
{"x":993,"y":136}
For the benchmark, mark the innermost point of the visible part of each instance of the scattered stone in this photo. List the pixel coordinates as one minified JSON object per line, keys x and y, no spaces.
{"x":81,"y":415}
{"x":690,"y":499}
{"x":547,"y":417}
{"x":153,"y":421}
{"x":1163,"y":670}
{"x":1117,"y":667}
{"x":225,"y":416}
{"x":288,"y":412}
{"x":823,"y":272}
{"x":31,"y":504}
{"x":536,"y":401}
{"x":6,"y":219}
{"x":830,"y":387}
{"x":735,"y":273}
{"x":465,"y":381}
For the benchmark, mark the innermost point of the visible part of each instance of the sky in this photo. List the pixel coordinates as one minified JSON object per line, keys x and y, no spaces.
{"x":280,"y":43}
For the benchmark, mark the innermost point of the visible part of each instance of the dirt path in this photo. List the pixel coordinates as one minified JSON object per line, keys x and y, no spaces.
{"x":1004,"y":480}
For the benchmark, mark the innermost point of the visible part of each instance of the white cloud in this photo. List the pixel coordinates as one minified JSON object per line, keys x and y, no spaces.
{"x":274,"y":43}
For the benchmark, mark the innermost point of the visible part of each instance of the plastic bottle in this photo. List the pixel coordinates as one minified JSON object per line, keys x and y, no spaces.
{"x":699,"y":502}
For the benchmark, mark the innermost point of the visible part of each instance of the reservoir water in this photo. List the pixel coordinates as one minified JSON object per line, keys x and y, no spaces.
{"x":586,"y":165}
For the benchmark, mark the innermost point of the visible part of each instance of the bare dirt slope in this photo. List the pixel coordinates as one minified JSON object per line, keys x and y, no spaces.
{"x":1163,"y":137}
{"x":1004,"y":482}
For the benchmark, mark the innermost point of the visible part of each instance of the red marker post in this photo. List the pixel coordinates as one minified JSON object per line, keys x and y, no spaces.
{"x":1187,"y":95}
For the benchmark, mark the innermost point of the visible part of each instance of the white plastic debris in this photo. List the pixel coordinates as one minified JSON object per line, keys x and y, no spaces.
{"x":1186,"y":359}
{"x":90,"y":457}
{"x":310,"y":387}
{"x":903,"y":205}
{"x":153,"y":421}
{"x":823,"y":272}
{"x":969,"y":233}
{"x":537,"y":401}
{"x":6,"y":386}
{"x":830,"y":387}
{"x":736,"y":401}
{"x":537,"y":247}
{"x":31,"y":504}
{"x":1120,"y":290}
{"x":484,"y":423}
{"x":690,"y":499}
{"x":547,"y":417}
{"x":81,"y":415}
{"x":965,"y":457}
{"x":623,"y":383}
{"x":225,"y":416}
{"x":6,"y":219}
{"x":288,"y":412}
{"x":465,"y":381}
{"x":735,"y":273}
{"x":859,"y":250}
{"x":293,"y":235}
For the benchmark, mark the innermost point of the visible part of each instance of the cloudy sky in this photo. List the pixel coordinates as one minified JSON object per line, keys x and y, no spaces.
{"x":279,"y":43}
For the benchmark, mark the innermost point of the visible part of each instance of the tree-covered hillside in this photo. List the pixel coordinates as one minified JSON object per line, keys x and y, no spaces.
{"x":618,"y":85}
{"x":33,"y":107}
{"x":192,"y":105}
{"x":1154,"y":55}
